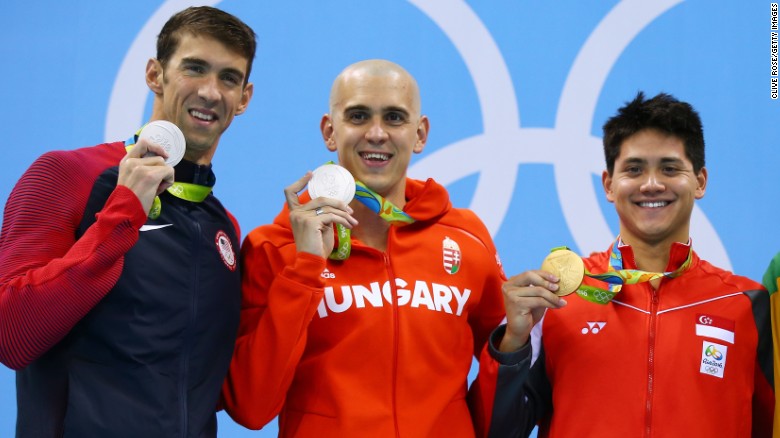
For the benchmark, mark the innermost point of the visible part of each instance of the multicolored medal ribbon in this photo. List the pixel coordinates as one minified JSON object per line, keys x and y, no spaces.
{"x":187,"y":191}
{"x":378,"y":204}
{"x":615,"y":276}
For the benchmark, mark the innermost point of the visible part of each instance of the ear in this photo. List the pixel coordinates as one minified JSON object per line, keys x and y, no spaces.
{"x":423,"y":126}
{"x":606,"y":181}
{"x":701,"y":181}
{"x":246,"y":96}
{"x":154,"y":76}
{"x":326,"y":127}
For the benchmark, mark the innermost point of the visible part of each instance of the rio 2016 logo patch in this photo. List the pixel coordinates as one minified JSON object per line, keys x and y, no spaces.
{"x":713,"y":359}
{"x":226,"y":250}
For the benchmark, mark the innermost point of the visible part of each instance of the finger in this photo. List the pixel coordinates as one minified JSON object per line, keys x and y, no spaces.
{"x":291,"y":191}
{"x":535,"y":278}
{"x":145,"y":148}
{"x":327,"y":206}
{"x":531,"y":299}
{"x":334,"y":217}
{"x":518,"y":288}
{"x":167,"y":180}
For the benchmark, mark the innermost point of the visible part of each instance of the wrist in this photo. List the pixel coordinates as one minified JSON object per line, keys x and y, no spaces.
{"x":511,"y":342}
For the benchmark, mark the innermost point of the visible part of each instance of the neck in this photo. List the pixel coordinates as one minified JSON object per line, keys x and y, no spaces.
{"x":371,"y":230}
{"x":649,"y":257}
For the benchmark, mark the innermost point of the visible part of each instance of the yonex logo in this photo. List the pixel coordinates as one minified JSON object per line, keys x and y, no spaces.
{"x":593,"y":327}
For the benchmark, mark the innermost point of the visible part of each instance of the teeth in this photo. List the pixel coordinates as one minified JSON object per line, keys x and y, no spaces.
{"x":200,"y":115}
{"x":655,"y":204}
{"x":376,"y":156}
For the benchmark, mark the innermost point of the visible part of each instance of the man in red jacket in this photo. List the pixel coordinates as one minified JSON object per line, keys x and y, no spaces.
{"x":379,"y":343}
{"x":657,"y":342}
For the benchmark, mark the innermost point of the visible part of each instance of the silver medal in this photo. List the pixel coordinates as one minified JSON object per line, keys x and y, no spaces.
{"x":332,"y":181}
{"x":168,"y":136}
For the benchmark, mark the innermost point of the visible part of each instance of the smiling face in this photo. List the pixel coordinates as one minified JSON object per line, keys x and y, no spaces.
{"x":375,"y":125}
{"x":200,"y":89}
{"x":653,"y":187}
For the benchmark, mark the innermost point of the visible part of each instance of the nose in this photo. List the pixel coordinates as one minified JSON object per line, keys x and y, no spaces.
{"x":209,"y":89}
{"x":376,"y":134}
{"x":653,"y":183}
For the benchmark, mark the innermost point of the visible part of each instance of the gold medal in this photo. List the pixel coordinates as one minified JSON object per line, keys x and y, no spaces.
{"x":568,"y":267}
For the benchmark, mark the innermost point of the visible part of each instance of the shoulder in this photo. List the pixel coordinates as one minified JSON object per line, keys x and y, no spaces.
{"x":597,"y":259}
{"x":738,"y":282}
{"x":85,"y":162}
{"x":468,"y":222}
{"x":274,"y":235}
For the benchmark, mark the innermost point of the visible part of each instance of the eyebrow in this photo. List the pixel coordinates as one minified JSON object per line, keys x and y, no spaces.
{"x":664,"y":160}
{"x":388,"y":109}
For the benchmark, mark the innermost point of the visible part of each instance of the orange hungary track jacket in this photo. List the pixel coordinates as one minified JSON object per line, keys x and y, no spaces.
{"x":377,"y":345}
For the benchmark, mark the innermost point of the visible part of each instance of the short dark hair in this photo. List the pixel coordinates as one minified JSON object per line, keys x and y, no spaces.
{"x":212,"y":22}
{"x":663,"y":113}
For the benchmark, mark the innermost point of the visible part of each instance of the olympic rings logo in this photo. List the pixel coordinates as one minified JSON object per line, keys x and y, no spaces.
{"x":709,"y":369}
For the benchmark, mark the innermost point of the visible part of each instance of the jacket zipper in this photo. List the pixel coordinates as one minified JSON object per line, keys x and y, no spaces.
{"x":188,"y":337}
{"x":394,"y":303}
{"x":651,"y":360}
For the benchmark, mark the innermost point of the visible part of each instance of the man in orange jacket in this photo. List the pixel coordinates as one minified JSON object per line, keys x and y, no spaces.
{"x":379,"y":343}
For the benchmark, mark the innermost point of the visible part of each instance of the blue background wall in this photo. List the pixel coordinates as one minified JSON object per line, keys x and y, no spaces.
{"x":516,"y":90}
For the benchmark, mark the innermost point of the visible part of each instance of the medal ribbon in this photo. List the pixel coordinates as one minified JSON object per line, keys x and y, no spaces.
{"x":616,"y":277}
{"x":376,"y":203}
{"x":187,"y":191}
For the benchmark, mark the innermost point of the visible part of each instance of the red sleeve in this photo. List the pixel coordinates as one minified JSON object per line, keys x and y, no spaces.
{"x":482,"y":394}
{"x":235,"y":223}
{"x":48,"y":282}
{"x":279,"y":299}
{"x":490,"y":311}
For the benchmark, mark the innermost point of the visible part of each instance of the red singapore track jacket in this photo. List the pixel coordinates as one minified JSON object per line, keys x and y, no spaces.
{"x":692,"y":358}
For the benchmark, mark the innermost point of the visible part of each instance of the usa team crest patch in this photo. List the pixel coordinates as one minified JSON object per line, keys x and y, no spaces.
{"x":226,"y":250}
{"x":451,"y":255}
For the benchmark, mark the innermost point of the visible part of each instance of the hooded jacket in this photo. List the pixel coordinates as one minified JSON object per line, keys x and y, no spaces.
{"x":377,"y":345}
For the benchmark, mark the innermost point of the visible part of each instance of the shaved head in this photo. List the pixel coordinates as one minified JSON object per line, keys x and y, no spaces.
{"x":358,"y":72}
{"x":374,"y":124}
